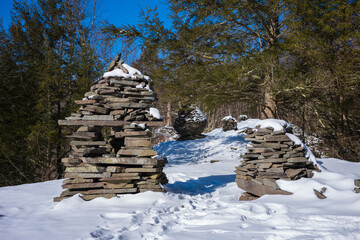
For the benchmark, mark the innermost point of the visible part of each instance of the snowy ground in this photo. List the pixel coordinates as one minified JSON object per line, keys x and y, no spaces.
{"x":201,"y":203}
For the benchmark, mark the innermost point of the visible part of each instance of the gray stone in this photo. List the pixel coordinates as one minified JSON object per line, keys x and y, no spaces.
{"x":258,"y":189}
{"x":190,"y":122}
{"x":228,"y":123}
{"x":98,"y":117}
{"x":357,"y":182}
{"x":319,"y":195}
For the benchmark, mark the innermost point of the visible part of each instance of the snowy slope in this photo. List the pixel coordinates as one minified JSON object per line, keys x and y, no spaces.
{"x":201,"y":202}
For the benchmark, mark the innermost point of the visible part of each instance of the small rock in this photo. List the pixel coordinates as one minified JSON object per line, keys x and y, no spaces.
{"x":357,"y":182}
{"x":357,"y":190}
{"x":243,"y":117}
{"x":190,"y":122}
{"x":228,"y":123}
{"x":248,"y":197}
{"x":320,"y":195}
{"x":214,"y":161}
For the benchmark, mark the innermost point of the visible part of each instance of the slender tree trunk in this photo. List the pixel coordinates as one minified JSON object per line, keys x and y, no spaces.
{"x":168,"y":114}
{"x":270,"y":109}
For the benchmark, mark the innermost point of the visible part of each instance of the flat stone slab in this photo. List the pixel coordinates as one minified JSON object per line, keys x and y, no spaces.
{"x":83,"y":185}
{"x":258,"y":189}
{"x":120,"y":160}
{"x":137,"y":152}
{"x":107,"y":123}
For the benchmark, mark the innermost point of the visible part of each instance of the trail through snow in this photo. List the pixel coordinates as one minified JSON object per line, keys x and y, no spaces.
{"x":201,"y":202}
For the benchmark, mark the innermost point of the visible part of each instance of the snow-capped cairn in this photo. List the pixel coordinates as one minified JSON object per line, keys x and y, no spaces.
{"x":242,"y":117}
{"x":228,"y":123}
{"x":273,"y":154}
{"x":112,"y":149}
{"x":190,"y":122}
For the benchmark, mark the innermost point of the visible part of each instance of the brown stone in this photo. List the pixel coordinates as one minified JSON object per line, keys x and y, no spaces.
{"x":121,"y":160}
{"x":106,"y":191}
{"x":297,"y":160}
{"x":86,"y":175}
{"x":83,"y":185}
{"x":137,"y":142}
{"x":137,"y":152}
{"x":264,"y":165}
{"x":88,"y":169}
{"x":98,"y":118}
{"x":96,"y":109}
{"x":117,"y":185}
{"x":93,"y":196}
{"x":357,"y":182}
{"x":142,"y":170}
{"x":291,"y":173}
{"x":247,"y":197}
{"x":85,"y":102}
{"x":319,"y":195}
{"x":119,"y":178}
{"x":86,"y":143}
{"x":77,"y":180}
{"x":262,"y":150}
{"x":128,"y":105}
{"x":244,"y":177}
{"x":106,"y":123}
{"x":117,"y":112}
{"x":278,"y":138}
{"x":258,"y":189}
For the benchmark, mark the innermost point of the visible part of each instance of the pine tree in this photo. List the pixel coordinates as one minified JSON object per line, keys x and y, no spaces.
{"x":54,"y":59}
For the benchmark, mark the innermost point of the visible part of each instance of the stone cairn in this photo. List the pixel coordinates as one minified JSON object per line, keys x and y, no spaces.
{"x":271,"y":156}
{"x":228,"y":123}
{"x":112,"y":146}
{"x":190,"y":123}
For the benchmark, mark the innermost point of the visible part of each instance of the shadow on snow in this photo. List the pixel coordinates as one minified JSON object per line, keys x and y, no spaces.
{"x":201,"y":185}
{"x":194,"y":151}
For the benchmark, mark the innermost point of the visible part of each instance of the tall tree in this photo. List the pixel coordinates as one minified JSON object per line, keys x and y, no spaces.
{"x":53,"y":54}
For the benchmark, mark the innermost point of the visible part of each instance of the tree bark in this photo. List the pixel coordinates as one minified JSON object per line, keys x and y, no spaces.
{"x":269,"y":109}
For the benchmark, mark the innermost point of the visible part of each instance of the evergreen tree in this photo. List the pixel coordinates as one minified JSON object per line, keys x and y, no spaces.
{"x":53,"y":61}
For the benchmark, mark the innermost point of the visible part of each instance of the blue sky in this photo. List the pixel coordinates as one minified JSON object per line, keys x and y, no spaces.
{"x":117,"y":12}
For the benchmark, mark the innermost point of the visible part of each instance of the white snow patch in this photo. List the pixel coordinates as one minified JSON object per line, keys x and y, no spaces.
{"x":227,"y":118}
{"x":155,"y":113}
{"x":140,"y":125}
{"x":133,"y":73}
{"x":277,"y":124}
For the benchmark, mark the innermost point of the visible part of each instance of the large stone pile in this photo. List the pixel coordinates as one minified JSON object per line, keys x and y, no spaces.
{"x":272,"y":155}
{"x":190,"y":123}
{"x":228,"y":123}
{"x":112,"y":148}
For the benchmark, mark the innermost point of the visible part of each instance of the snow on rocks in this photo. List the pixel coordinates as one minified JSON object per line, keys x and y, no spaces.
{"x":228,"y":123}
{"x":155,"y":113}
{"x":273,"y":154}
{"x":190,"y":122}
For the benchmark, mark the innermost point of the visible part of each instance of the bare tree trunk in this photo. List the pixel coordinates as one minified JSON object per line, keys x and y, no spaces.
{"x":168,"y":114}
{"x":269,"y":110}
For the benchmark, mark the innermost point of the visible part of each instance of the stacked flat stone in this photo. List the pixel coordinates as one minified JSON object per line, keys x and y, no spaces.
{"x":271,"y":156}
{"x":112,"y":147}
